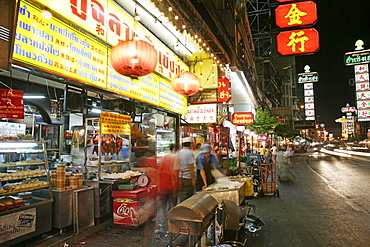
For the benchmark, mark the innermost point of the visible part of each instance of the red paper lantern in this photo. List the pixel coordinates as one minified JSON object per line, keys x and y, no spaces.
{"x":134,"y":58}
{"x":186,"y":83}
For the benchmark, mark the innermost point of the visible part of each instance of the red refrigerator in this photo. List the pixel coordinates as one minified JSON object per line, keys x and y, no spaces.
{"x":132,"y":208}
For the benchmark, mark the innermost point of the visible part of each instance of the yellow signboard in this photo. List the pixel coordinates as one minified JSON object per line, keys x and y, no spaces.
{"x":109,"y":22}
{"x":56,"y":47}
{"x":116,"y":124}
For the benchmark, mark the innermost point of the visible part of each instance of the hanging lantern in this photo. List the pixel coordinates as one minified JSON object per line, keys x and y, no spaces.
{"x":186,"y":83}
{"x":134,"y":58}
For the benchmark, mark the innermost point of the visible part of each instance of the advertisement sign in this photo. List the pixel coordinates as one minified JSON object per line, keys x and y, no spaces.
{"x":12,"y":129}
{"x":304,"y":124}
{"x":348,"y":109}
{"x":357,"y":57}
{"x":110,"y":23}
{"x":362,"y":95}
{"x":363,"y":115}
{"x":296,"y":14}
{"x":242,"y":118}
{"x":224,"y":93}
{"x":56,"y":47}
{"x":362,"y":77}
{"x":308,"y":93}
{"x":113,"y":123}
{"x":17,"y":224}
{"x":11,"y":104}
{"x":302,"y":41}
{"x":308,"y":99}
{"x":362,"y":86}
{"x":362,"y":68}
{"x":308,"y":77}
{"x":204,"y":113}
{"x":308,"y":86}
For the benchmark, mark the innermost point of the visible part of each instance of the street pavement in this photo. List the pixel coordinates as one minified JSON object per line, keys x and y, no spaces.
{"x":307,"y":212}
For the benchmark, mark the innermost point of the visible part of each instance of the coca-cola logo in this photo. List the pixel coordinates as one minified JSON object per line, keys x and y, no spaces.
{"x":123,"y":209}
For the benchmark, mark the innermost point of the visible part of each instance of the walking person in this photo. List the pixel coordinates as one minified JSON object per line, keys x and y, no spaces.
{"x":289,"y":153}
{"x":273,"y":151}
{"x":207,"y":167}
{"x":169,"y":176}
{"x":187,"y":170}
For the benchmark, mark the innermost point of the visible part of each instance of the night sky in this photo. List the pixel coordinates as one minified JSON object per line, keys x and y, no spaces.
{"x":340,"y":24}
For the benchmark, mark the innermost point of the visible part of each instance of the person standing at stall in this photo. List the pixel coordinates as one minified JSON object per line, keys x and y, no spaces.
{"x":187,"y":170}
{"x":206,"y":163}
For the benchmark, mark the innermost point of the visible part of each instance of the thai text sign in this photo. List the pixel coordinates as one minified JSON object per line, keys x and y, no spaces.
{"x":296,"y":14}
{"x":17,"y":224}
{"x":55,"y":47}
{"x":297,"y":42}
{"x":242,"y":118}
{"x":304,"y":124}
{"x":223,"y":90}
{"x":204,"y":113}
{"x":308,"y":77}
{"x":357,"y":57}
{"x":113,"y":123}
{"x":11,"y":104}
{"x":106,"y":20}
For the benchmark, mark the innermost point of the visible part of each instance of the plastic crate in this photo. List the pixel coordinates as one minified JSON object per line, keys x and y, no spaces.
{"x":131,"y":186}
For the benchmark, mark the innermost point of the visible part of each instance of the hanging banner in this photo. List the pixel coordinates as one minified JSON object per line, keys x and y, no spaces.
{"x":11,"y":104}
{"x":224,"y":93}
{"x":296,"y":14}
{"x":302,"y":41}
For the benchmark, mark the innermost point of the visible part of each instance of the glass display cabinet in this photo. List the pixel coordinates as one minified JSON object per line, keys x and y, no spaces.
{"x":25,"y":192}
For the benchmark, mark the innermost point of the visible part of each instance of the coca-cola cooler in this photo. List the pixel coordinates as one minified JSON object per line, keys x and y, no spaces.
{"x":132,"y":208}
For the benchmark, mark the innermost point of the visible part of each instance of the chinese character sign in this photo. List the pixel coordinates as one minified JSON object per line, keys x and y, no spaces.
{"x":297,"y":42}
{"x":362,"y":91}
{"x":203,"y":113}
{"x":296,"y":14}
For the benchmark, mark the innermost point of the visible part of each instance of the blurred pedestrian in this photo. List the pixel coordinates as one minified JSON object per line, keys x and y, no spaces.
{"x":187,"y":170}
{"x":263,"y":151}
{"x":206,"y":163}
{"x":169,"y":176}
{"x":289,"y":153}
{"x":273,"y":151}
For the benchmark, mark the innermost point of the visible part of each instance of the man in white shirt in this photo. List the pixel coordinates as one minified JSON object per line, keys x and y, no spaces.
{"x":187,"y":170}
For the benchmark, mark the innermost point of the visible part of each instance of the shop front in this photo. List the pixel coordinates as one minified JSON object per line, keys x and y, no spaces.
{"x":94,"y":129}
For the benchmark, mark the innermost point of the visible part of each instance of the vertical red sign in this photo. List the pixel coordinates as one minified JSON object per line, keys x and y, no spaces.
{"x":11,"y":104}
{"x":223,"y":90}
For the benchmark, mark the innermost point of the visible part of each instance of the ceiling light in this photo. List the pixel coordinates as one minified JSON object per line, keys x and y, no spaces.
{"x":176,"y":17}
{"x":170,"y":8}
{"x":46,"y":14}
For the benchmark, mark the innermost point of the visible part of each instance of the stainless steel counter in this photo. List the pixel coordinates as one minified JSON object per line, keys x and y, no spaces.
{"x":235,"y":194}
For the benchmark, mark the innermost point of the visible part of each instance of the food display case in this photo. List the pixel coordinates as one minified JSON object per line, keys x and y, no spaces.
{"x":25,"y":192}
{"x":106,"y":157}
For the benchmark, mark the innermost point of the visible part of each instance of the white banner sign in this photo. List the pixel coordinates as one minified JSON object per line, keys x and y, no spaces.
{"x":17,"y":224}
{"x":205,"y":113}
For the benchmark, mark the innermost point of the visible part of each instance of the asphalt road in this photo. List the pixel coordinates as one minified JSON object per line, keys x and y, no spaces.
{"x":327,"y":205}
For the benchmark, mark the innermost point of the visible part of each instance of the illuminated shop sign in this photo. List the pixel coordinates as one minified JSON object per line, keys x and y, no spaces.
{"x":242,"y":118}
{"x":113,"y":123}
{"x":106,"y":20}
{"x":348,"y":109}
{"x":296,"y":14}
{"x":357,"y":57}
{"x":302,"y":41}
{"x":55,"y":47}
{"x":224,"y":93}
{"x":308,"y":77}
{"x":11,"y":104}
{"x":204,"y":113}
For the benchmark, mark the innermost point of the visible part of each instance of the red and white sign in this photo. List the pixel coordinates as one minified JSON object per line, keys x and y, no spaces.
{"x":363,"y":104}
{"x":283,"y":1}
{"x":308,"y":86}
{"x":224,"y":93}
{"x":310,"y":113}
{"x":363,"y":95}
{"x":11,"y":104}
{"x":297,"y":42}
{"x":348,"y":109}
{"x":204,"y":113}
{"x":308,"y":92}
{"x":309,"y":106}
{"x":242,"y":118}
{"x":296,"y":14}
{"x":308,"y":99}
{"x":262,"y":138}
{"x":363,"y":115}
{"x":362,"y":86}
{"x":362,"y":77}
{"x":361,"y":68}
